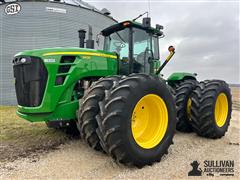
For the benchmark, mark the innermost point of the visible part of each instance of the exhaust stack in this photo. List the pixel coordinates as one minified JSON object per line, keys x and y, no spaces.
{"x":82,"y":36}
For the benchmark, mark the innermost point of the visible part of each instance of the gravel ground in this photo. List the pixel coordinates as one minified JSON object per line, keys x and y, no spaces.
{"x":75,"y":160}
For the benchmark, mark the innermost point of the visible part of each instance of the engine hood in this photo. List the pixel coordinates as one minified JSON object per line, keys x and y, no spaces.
{"x":66,"y":51}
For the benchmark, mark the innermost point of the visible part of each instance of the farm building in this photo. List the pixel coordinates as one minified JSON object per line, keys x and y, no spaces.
{"x":38,"y":24}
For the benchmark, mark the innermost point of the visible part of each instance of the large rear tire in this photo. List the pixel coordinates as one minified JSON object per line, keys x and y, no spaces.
{"x":89,"y":109}
{"x":211,"y":108}
{"x":138,"y":120}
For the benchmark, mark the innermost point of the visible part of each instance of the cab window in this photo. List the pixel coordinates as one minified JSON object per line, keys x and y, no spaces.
{"x":141,"y":51}
{"x":155,"y":45}
{"x":118,"y":42}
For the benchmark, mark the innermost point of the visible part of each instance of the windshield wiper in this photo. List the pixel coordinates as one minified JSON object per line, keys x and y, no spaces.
{"x":120,"y":37}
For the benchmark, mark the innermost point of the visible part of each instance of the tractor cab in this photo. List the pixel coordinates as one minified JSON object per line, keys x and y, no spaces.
{"x":135,"y":44}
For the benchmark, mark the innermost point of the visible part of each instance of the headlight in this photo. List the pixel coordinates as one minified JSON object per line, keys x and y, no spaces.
{"x":23,"y":60}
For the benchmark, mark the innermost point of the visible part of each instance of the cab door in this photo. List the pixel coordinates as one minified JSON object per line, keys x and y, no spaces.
{"x":143,"y":51}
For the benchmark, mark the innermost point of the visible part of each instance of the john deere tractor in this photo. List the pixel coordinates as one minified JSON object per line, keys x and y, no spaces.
{"x":116,"y":97}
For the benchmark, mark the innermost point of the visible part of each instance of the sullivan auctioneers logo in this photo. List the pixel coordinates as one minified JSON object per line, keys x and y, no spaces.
{"x":212,"y":168}
{"x":12,"y":8}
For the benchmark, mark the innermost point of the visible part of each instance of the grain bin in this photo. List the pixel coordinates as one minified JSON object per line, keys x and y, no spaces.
{"x":28,"y":25}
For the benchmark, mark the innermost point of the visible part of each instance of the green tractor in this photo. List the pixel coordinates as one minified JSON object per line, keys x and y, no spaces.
{"x":116,"y":97}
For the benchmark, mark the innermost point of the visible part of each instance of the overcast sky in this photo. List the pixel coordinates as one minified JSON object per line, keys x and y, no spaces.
{"x":204,"y":33}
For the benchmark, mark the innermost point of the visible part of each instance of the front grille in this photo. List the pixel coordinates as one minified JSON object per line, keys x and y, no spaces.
{"x":30,"y":80}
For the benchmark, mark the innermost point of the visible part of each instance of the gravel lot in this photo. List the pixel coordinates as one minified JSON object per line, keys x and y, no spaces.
{"x":64,"y":158}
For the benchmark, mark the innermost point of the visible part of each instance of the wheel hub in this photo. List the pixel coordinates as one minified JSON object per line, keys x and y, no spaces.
{"x":149,"y":121}
{"x":221,"y":109}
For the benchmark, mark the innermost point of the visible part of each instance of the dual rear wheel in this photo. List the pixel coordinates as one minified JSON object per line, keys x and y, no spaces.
{"x":204,"y":107}
{"x":211,"y":108}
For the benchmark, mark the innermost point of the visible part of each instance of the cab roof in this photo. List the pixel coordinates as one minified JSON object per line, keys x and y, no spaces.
{"x":126,"y":24}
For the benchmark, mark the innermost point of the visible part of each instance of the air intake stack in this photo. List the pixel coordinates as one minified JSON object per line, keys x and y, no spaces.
{"x":82,"y":35}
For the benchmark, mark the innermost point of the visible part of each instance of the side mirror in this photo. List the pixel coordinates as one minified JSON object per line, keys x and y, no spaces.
{"x":159,"y":27}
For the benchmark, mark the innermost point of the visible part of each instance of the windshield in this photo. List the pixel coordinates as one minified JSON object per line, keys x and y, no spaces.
{"x":118,"y":42}
{"x":144,"y":48}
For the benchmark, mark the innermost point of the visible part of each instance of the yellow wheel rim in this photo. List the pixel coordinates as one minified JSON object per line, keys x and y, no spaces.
{"x":189,"y":104}
{"x":221,"y":110}
{"x":149,"y":121}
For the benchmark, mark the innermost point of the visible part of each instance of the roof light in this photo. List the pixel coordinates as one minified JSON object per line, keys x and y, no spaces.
{"x":126,"y":23}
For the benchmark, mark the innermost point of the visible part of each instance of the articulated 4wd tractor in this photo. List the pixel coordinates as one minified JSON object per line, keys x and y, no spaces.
{"x":116,"y":97}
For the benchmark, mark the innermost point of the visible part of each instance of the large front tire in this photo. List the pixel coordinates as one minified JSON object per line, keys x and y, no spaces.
{"x":139,"y":120}
{"x":89,"y":109}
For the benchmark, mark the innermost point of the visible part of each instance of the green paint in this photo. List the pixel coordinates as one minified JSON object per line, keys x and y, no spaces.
{"x":57,"y":101}
{"x":177,"y":76}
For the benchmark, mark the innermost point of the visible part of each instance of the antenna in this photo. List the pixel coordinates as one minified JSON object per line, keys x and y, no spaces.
{"x":140,"y":16}
{"x":149,"y":7}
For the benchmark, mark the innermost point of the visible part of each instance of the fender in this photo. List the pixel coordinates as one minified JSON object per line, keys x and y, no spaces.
{"x":178,"y":76}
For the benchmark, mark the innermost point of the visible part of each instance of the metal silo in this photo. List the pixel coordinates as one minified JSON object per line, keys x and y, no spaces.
{"x":28,"y":25}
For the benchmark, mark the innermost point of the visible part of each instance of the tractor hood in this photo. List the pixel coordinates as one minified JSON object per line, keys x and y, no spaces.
{"x":47,"y":52}
{"x":46,"y":79}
